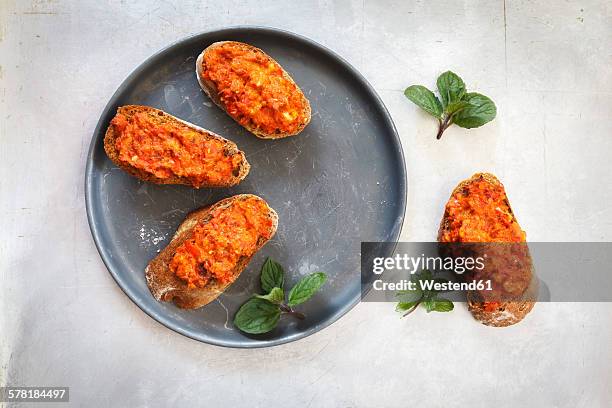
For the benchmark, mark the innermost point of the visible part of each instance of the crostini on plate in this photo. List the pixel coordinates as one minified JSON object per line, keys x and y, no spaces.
{"x":155,"y":146}
{"x":252,"y":88}
{"x":210,"y":250}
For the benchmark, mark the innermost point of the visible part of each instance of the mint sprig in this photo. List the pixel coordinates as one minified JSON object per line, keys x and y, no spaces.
{"x":464,"y":109}
{"x":409,"y":300}
{"x":261,"y":313}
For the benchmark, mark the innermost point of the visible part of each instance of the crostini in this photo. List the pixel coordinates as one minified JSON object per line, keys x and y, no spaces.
{"x":210,"y":249}
{"x":479,"y":212}
{"x":155,"y":146}
{"x":252,"y":88}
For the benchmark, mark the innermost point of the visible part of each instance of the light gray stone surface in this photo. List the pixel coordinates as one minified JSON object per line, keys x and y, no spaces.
{"x":547,"y":65}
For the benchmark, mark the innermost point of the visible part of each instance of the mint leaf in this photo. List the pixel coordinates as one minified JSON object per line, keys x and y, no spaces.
{"x":443,"y":305}
{"x":257,"y":316}
{"x":438,"y":304}
{"x":455,"y":107}
{"x":451,"y":88}
{"x":409,"y":296}
{"x":425,"y":99}
{"x":276,"y":296}
{"x":305,"y":288}
{"x":403,"y":307}
{"x":480,"y":110}
{"x":423,"y":276}
{"x":272,"y":275}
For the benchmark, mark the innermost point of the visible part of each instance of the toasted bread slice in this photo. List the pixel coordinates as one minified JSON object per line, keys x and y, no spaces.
{"x":158,"y":117}
{"x":505,"y":312}
{"x":166,"y":286}
{"x":211,"y":89}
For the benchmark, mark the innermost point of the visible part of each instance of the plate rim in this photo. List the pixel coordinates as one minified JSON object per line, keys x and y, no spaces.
{"x":160,"y":317}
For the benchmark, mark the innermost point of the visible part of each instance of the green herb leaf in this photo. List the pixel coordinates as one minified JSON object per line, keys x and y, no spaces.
{"x":409,"y":296}
{"x":272,"y":275}
{"x":257,"y":316}
{"x":480,"y":110}
{"x":403,"y":307}
{"x":451,"y":88}
{"x":276,"y":296}
{"x":424,"y":275}
{"x":438,"y":304}
{"x":425,"y":99}
{"x":455,"y":107}
{"x":410,"y":299}
{"x":306,"y":287}
{"x":428,"y":296}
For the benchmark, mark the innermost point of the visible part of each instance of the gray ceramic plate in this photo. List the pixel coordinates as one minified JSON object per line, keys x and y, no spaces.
{"x":340,"y":182}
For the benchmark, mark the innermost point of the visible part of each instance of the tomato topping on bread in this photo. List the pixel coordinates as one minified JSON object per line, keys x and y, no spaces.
{"x":210,"y":249}
{"x":479,"y":212}
{"x":217,"y":245}
{"x":253,"y":89}
{"x":157,"y":147}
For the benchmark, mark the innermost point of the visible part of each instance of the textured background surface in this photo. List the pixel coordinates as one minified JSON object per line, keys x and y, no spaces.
{"x":547,"y":66}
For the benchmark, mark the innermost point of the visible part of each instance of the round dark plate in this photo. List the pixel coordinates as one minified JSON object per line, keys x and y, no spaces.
{"x":340,"y":182}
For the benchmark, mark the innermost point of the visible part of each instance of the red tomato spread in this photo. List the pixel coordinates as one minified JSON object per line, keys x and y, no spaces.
{"x":491,"y":306}
{"x":169,"y":149}
{"x":480,"y":212}
{"x":216,"y":246}
{"x":253,"y":89}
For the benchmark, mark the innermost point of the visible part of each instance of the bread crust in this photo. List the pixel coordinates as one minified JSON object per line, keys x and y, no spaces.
{"x":509,"y":312}
{"x":211,"y":90}
{"x":165,"y":286}
{"x":162,"y":117}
